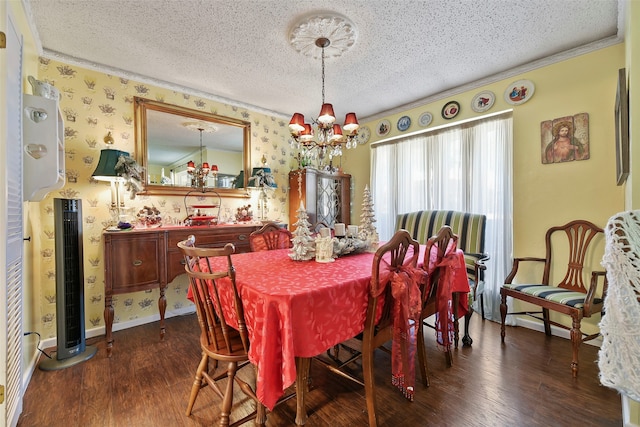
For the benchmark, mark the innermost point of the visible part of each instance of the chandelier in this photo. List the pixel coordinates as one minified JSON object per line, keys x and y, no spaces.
{"x":198,"y":173}
{"x":323,"y":137}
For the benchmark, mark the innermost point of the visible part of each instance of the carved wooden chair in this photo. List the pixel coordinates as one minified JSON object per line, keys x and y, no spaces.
{"x":569,"y":296}
{"x":438,"y":247}
{"x":271,"y":236}
{"x":397,"y":258}
{"x":220,"y":342}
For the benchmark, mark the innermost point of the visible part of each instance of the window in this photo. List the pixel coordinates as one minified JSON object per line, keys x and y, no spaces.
{"x":466,"y":167}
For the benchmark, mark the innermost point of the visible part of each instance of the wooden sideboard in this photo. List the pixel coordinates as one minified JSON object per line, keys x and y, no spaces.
{"x":142,"y":259}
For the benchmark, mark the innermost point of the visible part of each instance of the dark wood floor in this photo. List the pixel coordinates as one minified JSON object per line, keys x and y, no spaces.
{"x":526,"y":382}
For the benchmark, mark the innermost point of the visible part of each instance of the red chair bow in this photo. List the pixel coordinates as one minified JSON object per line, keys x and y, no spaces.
{"x":405,"y":287}
{"x":450,"y":275}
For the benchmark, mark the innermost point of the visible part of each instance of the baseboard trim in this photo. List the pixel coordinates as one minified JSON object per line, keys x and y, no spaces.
{"x":555,"y":331}
{"x":630,"y":411}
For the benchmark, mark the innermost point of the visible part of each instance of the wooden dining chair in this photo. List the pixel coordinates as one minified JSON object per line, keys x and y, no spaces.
{"x":271,"y":236}
{"x":394,"y":264}
{"x":219,"y":341}
{"x":567,"y":254}
{"x":437,"y":248}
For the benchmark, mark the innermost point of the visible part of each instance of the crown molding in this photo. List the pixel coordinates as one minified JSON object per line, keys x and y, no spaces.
{"x":544,"y":62}
{"x":117,"y":72}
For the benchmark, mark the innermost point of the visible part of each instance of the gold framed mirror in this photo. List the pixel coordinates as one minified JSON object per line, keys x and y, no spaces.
{"x":171,"y":139}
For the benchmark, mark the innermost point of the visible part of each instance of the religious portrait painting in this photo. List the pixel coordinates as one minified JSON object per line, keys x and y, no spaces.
{"x":565,"y":139}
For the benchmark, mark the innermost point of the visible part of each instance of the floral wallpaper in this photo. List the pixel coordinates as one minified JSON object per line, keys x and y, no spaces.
{"x":93,"y":104}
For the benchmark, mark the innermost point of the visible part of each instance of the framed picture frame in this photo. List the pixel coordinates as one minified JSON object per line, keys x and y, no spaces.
{"x":622,"y":128}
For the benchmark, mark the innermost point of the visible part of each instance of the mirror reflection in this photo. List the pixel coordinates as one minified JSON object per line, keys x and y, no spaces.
{"x":185,"y":149}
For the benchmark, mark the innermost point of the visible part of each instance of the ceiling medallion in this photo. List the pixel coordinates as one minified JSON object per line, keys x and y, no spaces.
{"x":334,"y":27}
{"x":203,"y":126}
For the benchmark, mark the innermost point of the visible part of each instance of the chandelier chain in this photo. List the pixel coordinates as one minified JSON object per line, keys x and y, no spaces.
{"x":323,"y":74}
{"x":201,"y":129}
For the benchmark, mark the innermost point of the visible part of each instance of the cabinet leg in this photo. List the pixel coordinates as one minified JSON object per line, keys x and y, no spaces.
{"x":108,"y":322}
{"x":162,"y":306}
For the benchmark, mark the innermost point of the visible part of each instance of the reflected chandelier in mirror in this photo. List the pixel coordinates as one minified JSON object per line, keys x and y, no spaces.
{"x":171,"y":140}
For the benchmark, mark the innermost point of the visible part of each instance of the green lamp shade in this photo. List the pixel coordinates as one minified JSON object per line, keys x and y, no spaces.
{"x":261,"y":177}
{"x":106,"y":169}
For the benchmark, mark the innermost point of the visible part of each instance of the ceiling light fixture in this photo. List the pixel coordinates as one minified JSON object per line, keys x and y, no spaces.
{"x":323,"y":137}
{"x":199,"y":173}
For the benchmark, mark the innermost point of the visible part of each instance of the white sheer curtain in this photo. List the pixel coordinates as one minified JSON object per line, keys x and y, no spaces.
{"x":465,"y":168}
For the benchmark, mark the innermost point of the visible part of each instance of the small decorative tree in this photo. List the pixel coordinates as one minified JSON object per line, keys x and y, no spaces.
{"x":303,"y":244}
{"x":367,"y":231}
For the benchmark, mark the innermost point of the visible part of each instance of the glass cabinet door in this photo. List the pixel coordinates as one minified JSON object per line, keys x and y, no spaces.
{"x":328,"y":206}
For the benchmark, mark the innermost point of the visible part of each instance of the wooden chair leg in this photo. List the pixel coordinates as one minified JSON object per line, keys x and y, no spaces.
{"x":197,"y":383}
{"x":261,"y":415}
{"x":466,"y":339}
{"x":576,"y":340}
{"x":547,"y":324}
{"x":455,"y":300}
{"x":422,"y":355}
{"x":227,"y":402}
{"x":503,"y":315}
{"x":369,"y":386}
{"x":482,"y":305}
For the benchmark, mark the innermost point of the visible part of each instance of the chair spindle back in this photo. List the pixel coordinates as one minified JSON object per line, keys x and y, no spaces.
{"x":208,"y":271}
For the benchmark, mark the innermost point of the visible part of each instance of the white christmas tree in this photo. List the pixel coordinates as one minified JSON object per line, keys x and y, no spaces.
{"x":367,"y":230}
{"x":303,"y":244}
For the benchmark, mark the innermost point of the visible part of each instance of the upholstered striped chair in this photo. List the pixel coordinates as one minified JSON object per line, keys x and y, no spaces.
{"x":470,"y":229}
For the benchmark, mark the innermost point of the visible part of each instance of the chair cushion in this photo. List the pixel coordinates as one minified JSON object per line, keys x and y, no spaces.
{"x":552,"y":293}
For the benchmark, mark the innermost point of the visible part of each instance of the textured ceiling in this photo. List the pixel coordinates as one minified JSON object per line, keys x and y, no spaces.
{"x":405,"y":51}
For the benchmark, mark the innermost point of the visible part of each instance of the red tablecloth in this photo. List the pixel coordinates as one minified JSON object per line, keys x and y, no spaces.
{"x":298,"y":309}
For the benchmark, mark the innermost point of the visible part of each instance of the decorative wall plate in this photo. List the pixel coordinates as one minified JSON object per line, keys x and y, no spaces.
{"x":404,"y":123}
{"x":450,"y":110}
{"x":383,"y":128}
{"x":519,"y":92}
{"x":364,"y":133}
{"x":425,"y":119}
{"x":483,"y":101}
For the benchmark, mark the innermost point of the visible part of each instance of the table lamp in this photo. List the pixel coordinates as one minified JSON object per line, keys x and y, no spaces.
{"x":261,"y":178}
{"x":105,"y":171}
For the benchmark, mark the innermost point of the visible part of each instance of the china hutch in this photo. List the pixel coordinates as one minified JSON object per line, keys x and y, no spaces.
{"x":326,"y":196}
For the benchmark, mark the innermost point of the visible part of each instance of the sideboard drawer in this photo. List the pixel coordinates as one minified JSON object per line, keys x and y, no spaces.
{"x":214,"y":237}
{"x":211,"y":240}
{"x":135,"y":262}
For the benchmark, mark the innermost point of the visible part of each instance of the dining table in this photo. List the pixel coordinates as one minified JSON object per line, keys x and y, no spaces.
{"x":295,"y":310}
